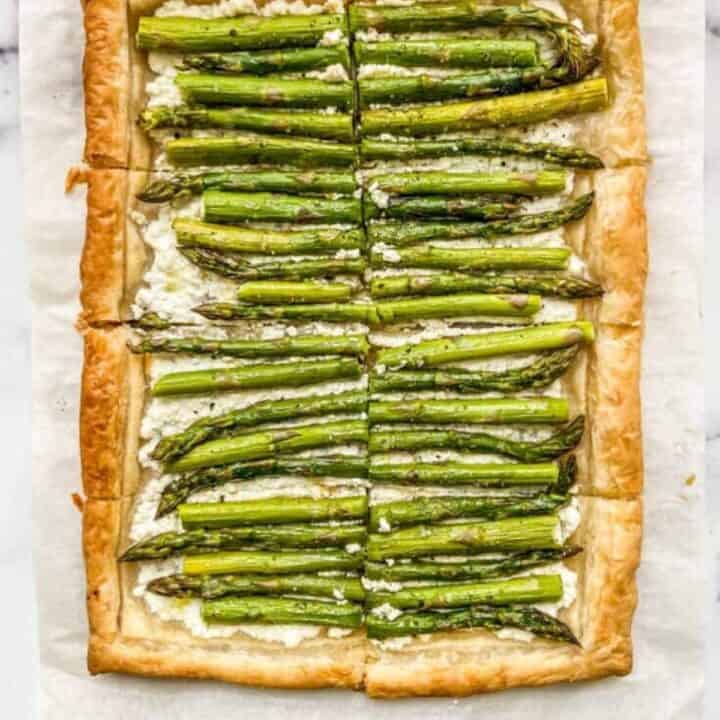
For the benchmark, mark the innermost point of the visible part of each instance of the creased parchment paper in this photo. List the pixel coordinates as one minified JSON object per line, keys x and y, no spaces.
{"x":667,"y":681}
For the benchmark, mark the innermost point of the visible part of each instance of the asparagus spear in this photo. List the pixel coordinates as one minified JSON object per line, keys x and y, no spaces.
{"x":259,"y":150}
{"x":269,"y":563}
{"x":174,"y":446}
{"x":282,"y":611}
{"x":479,"y":474}
{"x":200,"y":89}
{"x":473,"y":259}
{"x":374,"y":149}
{"x":197,"y":542}
{"x":248,"y":32}
{"x":448,"y":52}
{"x":522,"y":109}
{"x":564,"y":286}
{"x":439,"y":182}
{"x":267,"y":444}
{"x":556,"y":445}
{"x":538,"y":374}
{"x":530,"y":589}
{"x":517,"y":306}
{"x":172,"y":187}
{"x":438,"y":206}
{"x":275,"y":121}
{"x":275,"y":292}
{"x":272,"y":511}
{"x":209,"y":587}
{"x":234,"y":207}
{"x":193,"y":233}
{"x":528,"y":533}
{"x":262,"y":62}
{"x":573,"y":56}
{"x":375,"y":314}
{"x":181,"y":488}
{"x":246,"y":377}
{"x":431,"y":353}
{"x":496,"y":566}
{"x":303,"y":345}
{"x":487,"y":410}
{"x":327,"y":312}
{"x":434,"y":509}
{"x":236,"y":268}
{"x":428,"y":88}
{"x":477,"y":616}
{"x":402,"y":234}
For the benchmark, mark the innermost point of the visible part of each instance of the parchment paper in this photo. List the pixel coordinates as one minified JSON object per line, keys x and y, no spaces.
{"x":668,"y":631}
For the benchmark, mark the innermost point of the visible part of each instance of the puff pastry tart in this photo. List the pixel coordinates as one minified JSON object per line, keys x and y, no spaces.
{"x":362,"y":300}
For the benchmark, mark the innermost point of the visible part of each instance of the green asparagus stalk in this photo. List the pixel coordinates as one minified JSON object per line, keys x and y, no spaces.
{"x":275,"y":121}
{"x":326,"y":312}
{"x":545,"y":182}
{"x":438,"y":206}
{"x":272,"y":511}
{"x":199,"y":89}
{"x":487,"y":411}
{"x":563,"y":286}
{"x":538,"y":451}
{"x":247,"y":377}
{"x":173,"y":187}
{"x":573,"y":56}
{"x":151,"y":321}
{"x":281,"y":611}
{"x":259,"y":150}
{"x":197,"y":542}
{"x":174,"y":446}
{"x":386,"y":516}
{"x":535,"y":376}
{"x":528,"y":533}
{"x":291,"y":60}
{"x":275,"y":292}
{"x":248,"y":32}
{"x":462,"y":473}
{"x":268,"y":563}
{"x":375,"y":314}
{"x":448,"y":52}
{"x":530,"y":589}
{"x":181,"y":488}
{"x":193,"y":233}
{"x":237,"y":268}
{"x":473,"y":259}
{"x":374,"y":149}
{"x":477,"y":616}
{"x":522,"y":109}
{"x":233,"y":207}
{"x":428,"y":88}
{"x":505,"y":564}
{"x":267,"y":444}
{"x":403,"y":234}
{"x":431,"y":353}
{"x":300,"y":345}
{"x":209,"y":587}
{"x":516,"y":306}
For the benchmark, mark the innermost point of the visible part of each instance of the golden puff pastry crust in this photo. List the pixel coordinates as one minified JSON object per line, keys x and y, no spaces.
{"x":467,"y":662}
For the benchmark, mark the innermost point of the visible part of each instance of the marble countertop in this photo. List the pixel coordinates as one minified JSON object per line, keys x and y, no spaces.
{"x":17,"y":627}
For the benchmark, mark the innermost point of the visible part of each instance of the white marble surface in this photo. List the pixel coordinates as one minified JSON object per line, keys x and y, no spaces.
{"x":17,"y":627}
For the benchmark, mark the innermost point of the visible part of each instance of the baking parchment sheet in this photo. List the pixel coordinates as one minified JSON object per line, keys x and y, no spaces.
{"x":668,"y":677}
